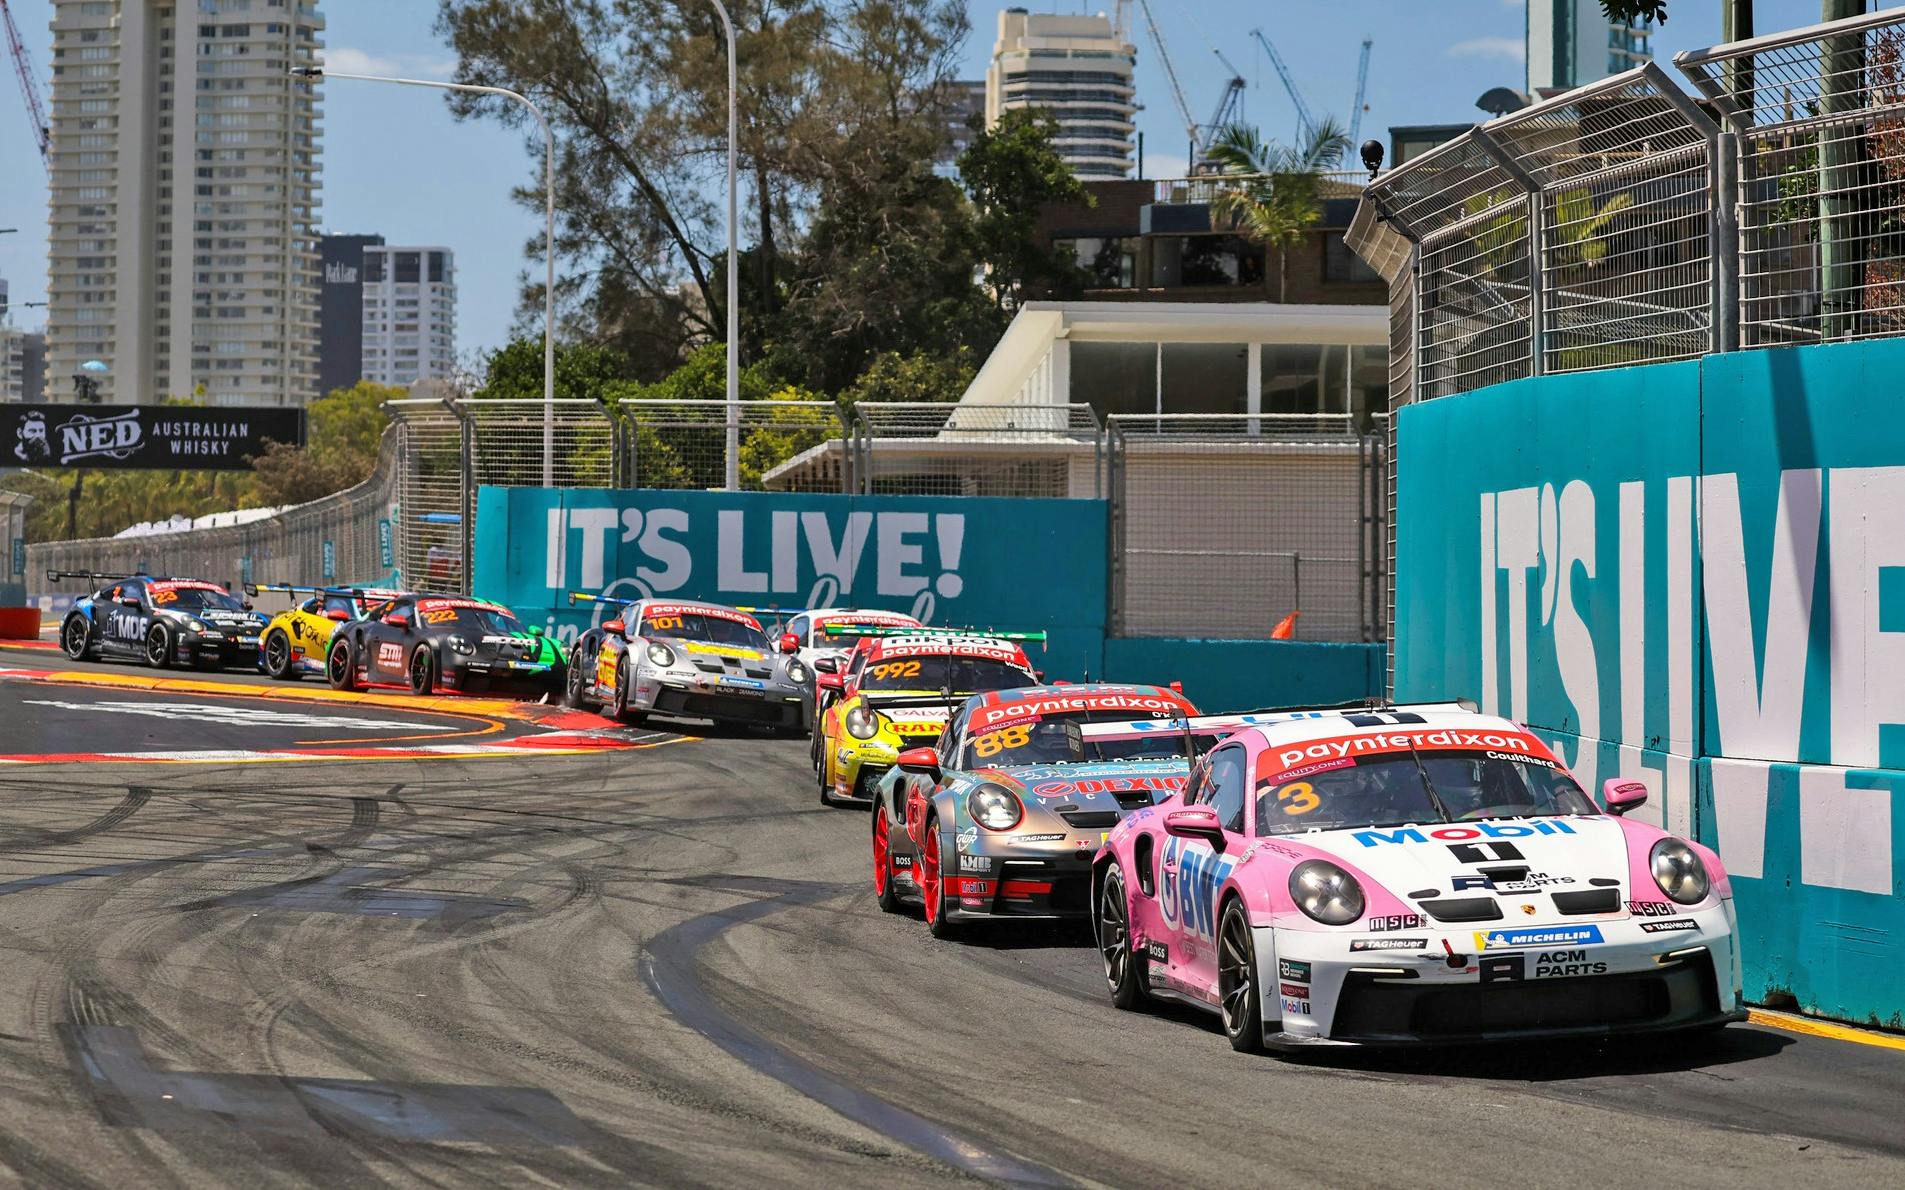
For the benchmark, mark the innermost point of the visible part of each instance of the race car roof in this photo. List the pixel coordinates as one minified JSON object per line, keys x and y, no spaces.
{"x":852,"y":615}
{"x":439,"y":603}
{"x":651,"y":609}
{"x":182,"y":584}
{"x":886,"y":648}
{"x":999,"y":708}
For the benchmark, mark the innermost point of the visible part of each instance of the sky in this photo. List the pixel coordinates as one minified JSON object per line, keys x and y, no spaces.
{"x":395,"y":162}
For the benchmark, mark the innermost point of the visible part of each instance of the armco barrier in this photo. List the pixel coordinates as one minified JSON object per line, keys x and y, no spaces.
{"x":1694,"y":573}
{"x":957,"y":560}
{"x":1240,"y":675}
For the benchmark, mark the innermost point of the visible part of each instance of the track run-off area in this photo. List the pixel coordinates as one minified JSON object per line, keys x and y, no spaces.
{"x":261,"y":933}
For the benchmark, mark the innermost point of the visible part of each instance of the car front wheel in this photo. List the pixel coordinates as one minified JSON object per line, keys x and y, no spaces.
{"x":340,"y":667}
{"x":423,"y":670}
{"x":932,"y":885}
{"x":1125,"y":969}
{"x":159,"y":647}
{"x":1237,"y":990}
{"x":883,"y":890}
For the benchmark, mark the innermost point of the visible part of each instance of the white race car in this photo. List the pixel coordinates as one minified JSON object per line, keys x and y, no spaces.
{"x":1410,"y":874}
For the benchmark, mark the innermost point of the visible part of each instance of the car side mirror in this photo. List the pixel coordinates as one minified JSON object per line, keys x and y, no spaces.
{"x":130,"y":600}
{"x":338,"y":614}
{"x":828,"y":681}
{"x":616,"y":627}
{"x":397,"y":620}
{"x":245,"y":603}
{"x":790,"y":643}
{"x":1196,"y":822}
{"x":827,"y":665}
{"x":1623,"y":794}
{"x":535,"y":630}
{"x":1039,"y":674}
{"x":922,"y":762}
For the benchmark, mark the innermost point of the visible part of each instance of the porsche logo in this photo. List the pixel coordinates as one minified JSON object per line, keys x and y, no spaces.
{"x":1528,"y":909}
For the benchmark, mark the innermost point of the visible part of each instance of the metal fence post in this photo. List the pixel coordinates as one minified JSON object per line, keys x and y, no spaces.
{"x":1115,"y":528}
{"x":466,"y":511}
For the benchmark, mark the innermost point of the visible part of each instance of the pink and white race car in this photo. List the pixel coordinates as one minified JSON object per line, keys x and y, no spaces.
{"x":1401,"y":875}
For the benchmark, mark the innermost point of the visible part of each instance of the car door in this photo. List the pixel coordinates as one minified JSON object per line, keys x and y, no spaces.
{"x":127,"y":616}
{"x":1192,"y":871}
{"x":385,"y":658}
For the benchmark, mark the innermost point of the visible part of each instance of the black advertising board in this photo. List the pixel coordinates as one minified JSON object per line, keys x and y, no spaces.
{"x":211,"y":438}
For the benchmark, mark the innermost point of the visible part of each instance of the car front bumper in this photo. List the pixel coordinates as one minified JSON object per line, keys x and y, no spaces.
{"x":766,"y":706}
{"x":222,"y":650}
{"x":1316,"y":990}
{"x":485,"y":675}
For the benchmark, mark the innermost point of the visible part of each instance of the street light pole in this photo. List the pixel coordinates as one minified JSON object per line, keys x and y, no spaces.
{"x":733,"y":476}
{"x":549,"y":235}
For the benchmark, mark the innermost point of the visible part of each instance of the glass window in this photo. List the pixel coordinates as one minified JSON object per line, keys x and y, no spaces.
{"x":1205,"y":260}
{"x":1110,"y":262}
{"x":436,"y":266}
{"x":1293,"y":378}
{"x":1369,"y":380}
{"x":1115,"y":377}
{"x":373,"y":266}
{"x":408,"y":266}
{"x":1206,"y":377}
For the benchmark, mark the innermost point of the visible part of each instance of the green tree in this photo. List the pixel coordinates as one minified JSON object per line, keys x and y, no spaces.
{"x":1270,"y":191}
{"x":514,"y":371}
{"x":920,"y":376}
{"x":343,"y":432}
{"x":1010,"y":172}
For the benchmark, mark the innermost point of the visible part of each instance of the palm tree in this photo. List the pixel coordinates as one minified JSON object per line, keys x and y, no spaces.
{"x":1272,"y":192}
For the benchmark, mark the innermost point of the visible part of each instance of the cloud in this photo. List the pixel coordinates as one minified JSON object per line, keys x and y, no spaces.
{"x":1489,"y":47}
{"x":354,"y":61}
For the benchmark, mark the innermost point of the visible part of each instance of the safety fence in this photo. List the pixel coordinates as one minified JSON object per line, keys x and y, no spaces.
{"x":1219,"y":525}
{"x":349,"y":537}
{"x":13,"y":506}
{"x":1629,"y":221}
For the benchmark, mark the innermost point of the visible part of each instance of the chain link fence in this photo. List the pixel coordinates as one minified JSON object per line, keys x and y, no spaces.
{"x":348,"y":537}
{"x":788,"y":446}
{"x":1225,"y":524}
{"x":933,"y":449}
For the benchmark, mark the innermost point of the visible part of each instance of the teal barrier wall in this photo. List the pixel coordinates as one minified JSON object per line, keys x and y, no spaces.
{"x":1240,"y":675}
{"x":966,"y":561}
{"x":1693,"y":573}
{"x":1013,"y":564}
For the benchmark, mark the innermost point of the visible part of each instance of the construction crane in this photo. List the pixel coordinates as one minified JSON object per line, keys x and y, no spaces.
{"x":1362,"y":92}
{"x":1170,"y":73}
{"x":1305,"y":122}
{"x":29,"y":87}
{"x":1229,"y":108}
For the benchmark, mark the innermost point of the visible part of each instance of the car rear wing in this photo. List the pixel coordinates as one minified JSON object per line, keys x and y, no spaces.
{"x":92,"y":576}
{"x":911,"y":630}
{"x":1196,"y":725}
{"x":576,"y":597}
{"x":360,"y":593}
{"x":875,"y":701}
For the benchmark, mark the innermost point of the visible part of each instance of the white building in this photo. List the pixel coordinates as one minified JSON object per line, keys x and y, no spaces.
{"x":184,"y":247}
{"x":1572,"y":43}
{"x":12,"y":363}
{"x":1078,"y":70}
{"x":409,"y":313}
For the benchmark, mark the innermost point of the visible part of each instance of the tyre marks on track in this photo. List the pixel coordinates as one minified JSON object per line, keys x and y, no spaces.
{"x":670,"y":969}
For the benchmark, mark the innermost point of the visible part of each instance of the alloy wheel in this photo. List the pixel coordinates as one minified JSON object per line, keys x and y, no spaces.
{"x":1114,"y":935}
{"x":1234,"y":973}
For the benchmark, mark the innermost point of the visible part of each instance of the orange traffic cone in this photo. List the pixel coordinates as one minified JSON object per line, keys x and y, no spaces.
{"x":1286,"y":627}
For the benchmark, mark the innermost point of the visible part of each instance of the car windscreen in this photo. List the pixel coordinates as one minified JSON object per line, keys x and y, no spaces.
{"x":1056,"y":739}
{"x":961,"y":675}
{"x":193,"y":599}
{"x":1411,"y":788}
{"x":473,"y":621}
{"x":843,"y":635}
{"x":713,"y":629}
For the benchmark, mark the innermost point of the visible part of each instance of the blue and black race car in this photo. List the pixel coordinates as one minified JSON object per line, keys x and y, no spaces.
{"x":160,"y":621}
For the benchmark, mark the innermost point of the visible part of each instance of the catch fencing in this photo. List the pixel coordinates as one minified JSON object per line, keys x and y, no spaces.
{"x":348,"y":537}
{"x":1629,"y":221}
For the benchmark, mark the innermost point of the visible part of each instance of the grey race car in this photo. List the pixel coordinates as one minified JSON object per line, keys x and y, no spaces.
{"x":688,"y":659}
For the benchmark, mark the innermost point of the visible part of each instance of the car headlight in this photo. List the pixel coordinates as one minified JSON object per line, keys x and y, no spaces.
{"x":462,"y":645}
{"x":662,"y":655}
{"x":1679,"y":872}
{"x":797,"y":673}
{"x":994,"y":807}
{"x":1326,"y":893}
{"x":195,"y":624}
{"x":862,"y":724}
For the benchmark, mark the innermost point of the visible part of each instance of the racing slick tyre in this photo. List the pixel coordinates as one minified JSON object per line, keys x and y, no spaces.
{"x":618,"y":703}
{"x":932,"y":886}
{"x":1237,"y":990}
{"x":572,"y":687}
{"x":340,"y":665}
{"x":1125,"y":968}
{"x":76,"y":637}
{"x":826,"y":787}
{"x":278,"y":665}
{"x":159,"y":647}
{"x":883,"y":889}
{"x":423,"y":671}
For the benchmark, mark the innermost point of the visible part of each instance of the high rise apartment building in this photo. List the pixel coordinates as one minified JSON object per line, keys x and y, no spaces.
{"x":183,"y":201}
{"x":409,"y":297}
{"x":1078,"y":70}
{"x":1572,"y":43}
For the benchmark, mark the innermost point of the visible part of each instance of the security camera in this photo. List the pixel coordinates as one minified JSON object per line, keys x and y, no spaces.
{"x":1372,"y":156}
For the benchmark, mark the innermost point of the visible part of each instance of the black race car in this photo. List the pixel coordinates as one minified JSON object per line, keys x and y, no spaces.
{"x":160,"y":621}
{"x":452,"y":641}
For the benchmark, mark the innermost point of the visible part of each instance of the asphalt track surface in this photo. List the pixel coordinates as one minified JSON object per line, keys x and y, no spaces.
{"x":662,"y":965}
